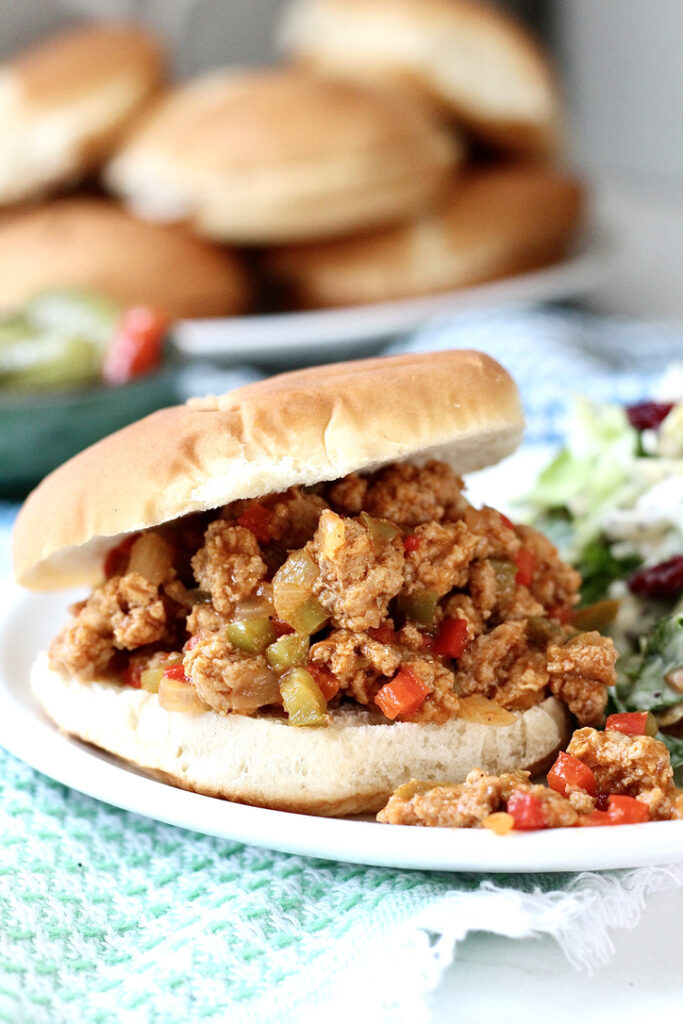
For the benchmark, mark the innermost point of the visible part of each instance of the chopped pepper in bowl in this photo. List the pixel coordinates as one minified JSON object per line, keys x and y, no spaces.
{"x":74,"y":367}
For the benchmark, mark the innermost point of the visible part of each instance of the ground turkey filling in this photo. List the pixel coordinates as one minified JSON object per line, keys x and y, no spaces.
{"x":388,"y":590}
{"x":603,"y":778}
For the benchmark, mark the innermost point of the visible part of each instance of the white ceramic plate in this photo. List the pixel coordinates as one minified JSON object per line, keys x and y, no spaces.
{"x":336,"y":333}
{"x":29,"y":621}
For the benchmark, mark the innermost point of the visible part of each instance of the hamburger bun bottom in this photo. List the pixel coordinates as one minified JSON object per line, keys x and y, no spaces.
{"x":350,"y":767}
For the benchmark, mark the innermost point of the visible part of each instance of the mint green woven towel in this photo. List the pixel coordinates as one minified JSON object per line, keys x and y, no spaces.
{"x":106,"y":917}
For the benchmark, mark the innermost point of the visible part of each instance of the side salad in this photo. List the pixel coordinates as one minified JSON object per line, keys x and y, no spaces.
{"x":70,"y":338}
{"x":612,"y":501}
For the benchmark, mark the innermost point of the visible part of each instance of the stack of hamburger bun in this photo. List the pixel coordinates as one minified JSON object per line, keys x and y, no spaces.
{"x":403,"y":147}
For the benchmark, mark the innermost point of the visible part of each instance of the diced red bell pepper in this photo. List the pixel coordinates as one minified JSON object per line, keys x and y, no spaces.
{"x":508,"y":522}
{"x":116,"y":562}
{"x":633,"y":723}
{"x":526,"y":810}
{"x":562,"y":613}
{"x":621,"y":810}
{"x":403,"y":695}
{"x":428,"y":640}
{"x":175,"y":672}
{"x":136,"y":346}
{"x":595,"y":819}
{"x":569,"y":772}
{"x":452,"y":638}
{"x":411,"y":543}
{"x":131,"y":676}
{"x":525,"y":562}
{"x":258,"y":520}
{"x":384,"y":634}
{"x":627,"y":810}
{"x":326,"y":680}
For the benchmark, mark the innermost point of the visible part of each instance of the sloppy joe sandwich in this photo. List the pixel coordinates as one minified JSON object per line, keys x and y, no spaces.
{"x":63,"y":103}
{"x":257,"y":157}
{"x":93,"y":243}
{"x":469,"y":59}
{"x":294,"y":603}
{"x":495,"y":221}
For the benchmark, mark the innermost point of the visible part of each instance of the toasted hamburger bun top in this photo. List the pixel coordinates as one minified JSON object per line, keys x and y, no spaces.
{"x":297,"y":428}
{"x":495,"y":222}
{"x":262,"y":156}
{"x":62,"y":103}
{"x":93,"y":243}
{"x":470,"y":58}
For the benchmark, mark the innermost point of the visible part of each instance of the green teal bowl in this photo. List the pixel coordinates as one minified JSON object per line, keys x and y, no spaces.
{"x":39,"y":431}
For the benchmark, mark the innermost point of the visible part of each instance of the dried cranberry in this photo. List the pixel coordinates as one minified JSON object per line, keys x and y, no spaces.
{"x":648,"y":415}
{"x":663,"y":580}
{"x":602,"y":802}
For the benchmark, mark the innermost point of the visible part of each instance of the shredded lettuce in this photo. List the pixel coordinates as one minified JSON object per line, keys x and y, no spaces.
{"x":645,"y":678}
{"x":612,"y":501}
{"x":600,"y":568}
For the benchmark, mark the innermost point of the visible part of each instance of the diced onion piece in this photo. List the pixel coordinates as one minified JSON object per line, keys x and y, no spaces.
{"x":151,"y":556}
{"x":289,"y":651}
{"x":415,"y":788}
{"x":419,"y":607}
{"x":116,"y":562}
{"x":256,"y":691}
{"x":302,"y":699}
{"x":177,"y":695}
{"x":299,"y":568}
{"x":252,"y":635}
{"x":293,"y":583}
{"x":330,"y":533}
{"x":505,"y":573}
{"x":258,"y":607}
{"x":476,"y":708}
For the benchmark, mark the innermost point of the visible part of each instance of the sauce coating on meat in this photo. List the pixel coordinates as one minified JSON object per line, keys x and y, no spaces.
{"x":394,"y":592}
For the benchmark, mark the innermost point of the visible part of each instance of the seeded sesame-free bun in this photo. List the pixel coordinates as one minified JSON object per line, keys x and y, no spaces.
{"x":496,"y":222}
{"x":296,"y":428}
{"x":93,"y":243}
{"x":469,"y":58}
{"x":350,"y":767}
{"x":257,"y":157}
{"x":63,"y":103}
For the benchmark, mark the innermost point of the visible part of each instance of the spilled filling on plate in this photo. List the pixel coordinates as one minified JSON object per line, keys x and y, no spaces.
{"x":387,"y":591}
{"x":619,"y":776}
